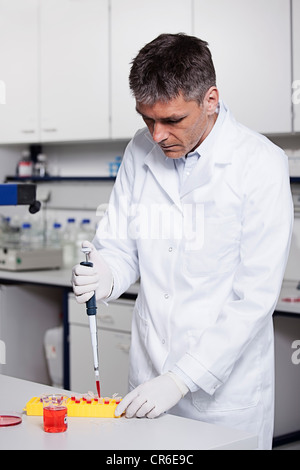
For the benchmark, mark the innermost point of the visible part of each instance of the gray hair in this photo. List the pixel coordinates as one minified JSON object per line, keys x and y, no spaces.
{"x":170,"y":65}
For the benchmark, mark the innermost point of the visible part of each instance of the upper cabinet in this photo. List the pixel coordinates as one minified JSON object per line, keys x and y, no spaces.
{"x":250,"y":41}
{"x":66,"y":63}
{"x":55,"y":62}
{"x":296,"y":64}
{"x":135,"y":23}
{"x":74,"y":70}
{"x":19,"y":117}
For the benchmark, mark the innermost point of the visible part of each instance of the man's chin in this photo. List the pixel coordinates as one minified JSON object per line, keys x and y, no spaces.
{"x":173,"y":153}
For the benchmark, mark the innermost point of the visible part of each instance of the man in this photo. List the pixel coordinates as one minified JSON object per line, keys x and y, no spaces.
{"x":201,"y":212}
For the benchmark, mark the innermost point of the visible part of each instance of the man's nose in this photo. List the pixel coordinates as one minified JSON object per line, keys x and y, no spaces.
{"x":159,"y":133}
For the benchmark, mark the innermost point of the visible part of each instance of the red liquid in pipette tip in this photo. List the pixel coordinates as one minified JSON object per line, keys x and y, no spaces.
{"x":98,"y":388}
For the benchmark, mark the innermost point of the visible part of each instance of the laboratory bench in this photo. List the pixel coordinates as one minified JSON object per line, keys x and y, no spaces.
{"x":58,"y":283}
{"x":167,"y":432}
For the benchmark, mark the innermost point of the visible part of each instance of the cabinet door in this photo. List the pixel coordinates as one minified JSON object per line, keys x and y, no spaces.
{"x":250,"y":45}
{"x":134,"y":23}
{"x":19,"y":70}
{"x":74,"y":70}
{"x":113,"y":361}
{"x":296,"y":64}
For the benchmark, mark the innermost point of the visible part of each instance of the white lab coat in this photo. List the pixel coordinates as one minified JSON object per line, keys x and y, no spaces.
{"x":211,"y":260}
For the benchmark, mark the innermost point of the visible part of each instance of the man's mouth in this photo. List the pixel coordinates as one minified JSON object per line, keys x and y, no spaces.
{"x":167,"y":147}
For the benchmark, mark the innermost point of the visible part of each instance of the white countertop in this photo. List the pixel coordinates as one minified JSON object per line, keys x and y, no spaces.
{"x":56,"y":277}
{"x":62,"y":278}
{"x":167,"y":432}
{"x":51,"y":277}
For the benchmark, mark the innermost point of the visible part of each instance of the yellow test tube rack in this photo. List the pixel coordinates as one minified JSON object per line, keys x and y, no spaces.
{"x":97,"y":408}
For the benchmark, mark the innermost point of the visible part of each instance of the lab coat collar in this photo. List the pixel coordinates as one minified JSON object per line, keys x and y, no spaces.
{"x":163,"y":171}
{"x":221,"y":153}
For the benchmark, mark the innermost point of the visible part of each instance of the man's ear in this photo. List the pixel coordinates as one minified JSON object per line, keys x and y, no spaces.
{"x":211,"y":100}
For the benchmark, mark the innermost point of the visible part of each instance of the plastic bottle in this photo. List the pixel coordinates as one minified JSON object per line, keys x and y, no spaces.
{"x":24,"y":168}
{"x":56,"y":235}
{"x":26,"y":236}
{"x":69,"y":243}
{"x":40,"y":167}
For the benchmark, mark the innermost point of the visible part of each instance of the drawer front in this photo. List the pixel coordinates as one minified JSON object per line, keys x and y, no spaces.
{"x":116,"y":316}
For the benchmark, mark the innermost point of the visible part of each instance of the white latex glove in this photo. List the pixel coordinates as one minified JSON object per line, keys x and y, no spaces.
{"x":154,"y":397}
{"x":85,"y":281}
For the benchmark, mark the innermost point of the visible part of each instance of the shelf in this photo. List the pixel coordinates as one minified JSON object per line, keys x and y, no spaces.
{"x":47,"y":179}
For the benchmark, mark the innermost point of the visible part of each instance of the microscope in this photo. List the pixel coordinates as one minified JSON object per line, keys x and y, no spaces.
{"x":14,"y":257}
{"x":15,"y":194}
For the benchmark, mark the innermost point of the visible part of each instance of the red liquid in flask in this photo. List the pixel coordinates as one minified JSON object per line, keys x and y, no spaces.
{"x":55,"y":419}
{"x":98,"y":387}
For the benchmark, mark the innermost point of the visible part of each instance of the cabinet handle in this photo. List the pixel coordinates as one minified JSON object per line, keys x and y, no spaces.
{"x":124,"y":347}
{"x":106,"y":319}
{"x":28,"y":131}
{"x":50,"y":129}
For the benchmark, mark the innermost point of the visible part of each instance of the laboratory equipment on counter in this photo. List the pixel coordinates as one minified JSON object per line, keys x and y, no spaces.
{"x":15,"y":194}
{"x":22,"y":259}
{"x":91,"y":310}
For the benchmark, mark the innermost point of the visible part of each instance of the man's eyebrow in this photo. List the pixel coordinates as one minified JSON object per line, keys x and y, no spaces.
{"x":172,"y":117}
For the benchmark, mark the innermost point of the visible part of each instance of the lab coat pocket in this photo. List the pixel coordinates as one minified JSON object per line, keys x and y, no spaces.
{"x":219,"y":252}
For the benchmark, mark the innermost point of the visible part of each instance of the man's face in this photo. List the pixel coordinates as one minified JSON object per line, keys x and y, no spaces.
{"x":178,"y":126}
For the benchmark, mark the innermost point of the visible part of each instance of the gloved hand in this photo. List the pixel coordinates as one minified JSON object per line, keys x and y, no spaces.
{"x":85,"y":280}
{"x":154,"y":397}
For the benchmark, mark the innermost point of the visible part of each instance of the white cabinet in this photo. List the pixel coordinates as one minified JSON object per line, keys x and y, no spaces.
{"x":287,"y":377}
{"x":26,"y":313}
{"x":19,"y":70}
{"x":135,"y":23}
{"x":250,"y":41}
{"x":114,"y":336}
{"x":74,"y":65}
{"x":54,"y":60}
{"x":296,"y":64}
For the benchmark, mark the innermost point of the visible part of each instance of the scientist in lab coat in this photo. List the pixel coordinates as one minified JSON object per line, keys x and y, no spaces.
{"x":201,"y":212}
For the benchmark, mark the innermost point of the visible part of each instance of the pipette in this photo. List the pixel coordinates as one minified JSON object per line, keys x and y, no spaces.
{"x":91,"y":310}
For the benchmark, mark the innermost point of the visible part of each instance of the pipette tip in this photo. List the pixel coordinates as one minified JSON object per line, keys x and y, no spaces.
{"x":98,"y":388}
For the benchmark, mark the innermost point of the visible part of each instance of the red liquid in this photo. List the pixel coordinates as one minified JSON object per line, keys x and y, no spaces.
{"x":55,"y":419}
{"x":98,"y":387}
{"x":7,"y":420}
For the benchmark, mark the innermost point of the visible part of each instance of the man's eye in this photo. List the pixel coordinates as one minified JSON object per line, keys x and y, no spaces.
{"x":175,"y":121}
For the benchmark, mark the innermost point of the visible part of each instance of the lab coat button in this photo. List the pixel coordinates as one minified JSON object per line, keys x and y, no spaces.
{"x":163,"y":341}
{"x":170,"y":249}
{"x":167,"y":296}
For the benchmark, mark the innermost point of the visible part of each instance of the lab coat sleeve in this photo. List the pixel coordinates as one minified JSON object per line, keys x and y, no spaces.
{"x":111,"y":239}
{"x":266,"y":233}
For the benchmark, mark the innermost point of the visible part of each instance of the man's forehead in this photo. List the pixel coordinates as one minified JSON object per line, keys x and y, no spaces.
{"x":175,"y":108}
